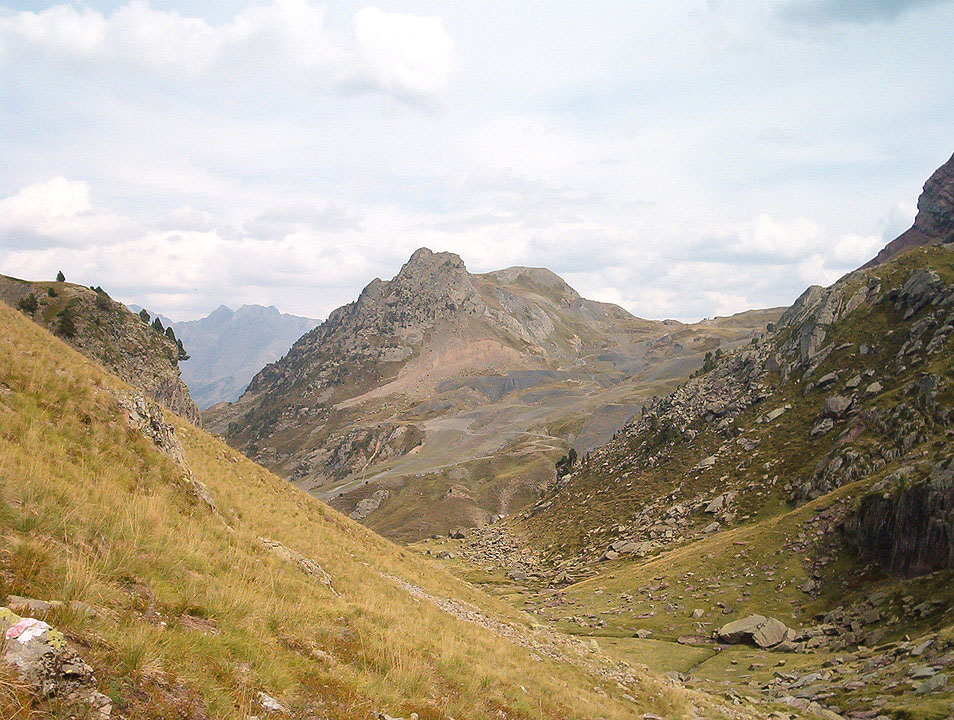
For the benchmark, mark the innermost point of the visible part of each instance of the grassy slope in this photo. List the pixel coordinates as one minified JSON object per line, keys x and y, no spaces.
{"x":195,"y":616}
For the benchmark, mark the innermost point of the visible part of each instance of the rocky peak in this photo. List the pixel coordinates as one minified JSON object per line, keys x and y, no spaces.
{"x":935,"y":219}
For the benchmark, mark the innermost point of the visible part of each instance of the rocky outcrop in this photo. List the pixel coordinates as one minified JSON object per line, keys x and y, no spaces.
{"x":45,"y":662}
{"x":109,"y":334}
{"x":935,"y":219}
{"x":147,"y":418}
{"x":905,"y":524}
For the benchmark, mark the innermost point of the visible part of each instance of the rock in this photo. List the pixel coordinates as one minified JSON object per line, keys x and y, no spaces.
{"x":826,"y":380}
{"x":610,"y":555}
{"x":835,"y":406}
{"x":758,"y":630}
{"x":823,"y":427}
{"x":457,"y":534}
{"x":642,"y":633}
{"x":874,"y":388}
{"x":711,"y":528}
{"x":932,"y":684}
{"x":271,"y":704}
{"x":719,"y":503}
{"x":691,"y":640}
{"x":853,"y":383}
{"x":698,"y":613}
{"x":776,"y":413}
{"x":44,"y":661}
{"x":305,"y":564}
{"x":706,"y":463}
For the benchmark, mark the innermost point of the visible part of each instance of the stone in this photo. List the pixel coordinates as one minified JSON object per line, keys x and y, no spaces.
{"x":457,"y":534}
{"x":758,"y":630}
{"x":642,"y":633}
{"x":932,"y":684}
{"x":822,"y":428}
{"x":711,"y":528}
{"x":874,"y":388}
{"x":836,"y":406}
{"x":825,"y":380}
{"x":776,"y":413}
{"x":853,"y":383}
{"x":698,"y":613}
{"x":610,"y":555}
{"x":43,"y":660}
{"x":719,"y":503}
{"x":271,"y":704}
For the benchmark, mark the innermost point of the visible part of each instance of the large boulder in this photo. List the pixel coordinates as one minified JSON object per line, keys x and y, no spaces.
{"x":764,"y":632}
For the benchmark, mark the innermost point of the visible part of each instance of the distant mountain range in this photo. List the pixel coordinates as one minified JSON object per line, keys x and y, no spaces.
{"x":227,"y":347}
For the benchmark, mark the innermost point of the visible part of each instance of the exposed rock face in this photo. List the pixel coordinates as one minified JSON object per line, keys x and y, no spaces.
{"x":228,"y":347}
{"x":935,"y":219}
{"x":908,"y":527}
{"x":108,"y":333}
{"x":146,"y":417}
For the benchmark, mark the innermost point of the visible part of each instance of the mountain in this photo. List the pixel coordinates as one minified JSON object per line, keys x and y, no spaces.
{"x":935,"y":219}
{"x":148,"y":571}
{"x":443,"y":398}
{"x":108,"y":333}
{"x":228,"y":347}
{"x":782,"y":521}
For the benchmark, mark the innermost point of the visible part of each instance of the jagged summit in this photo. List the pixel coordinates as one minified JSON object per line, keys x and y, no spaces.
{"x":934,"y":222}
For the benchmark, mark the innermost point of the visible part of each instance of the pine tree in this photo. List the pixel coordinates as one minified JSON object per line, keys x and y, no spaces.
{"x":157,"y":325}
{"x":60,"y":277}
{"x":28,"y":305}
{"x":144,"y":315}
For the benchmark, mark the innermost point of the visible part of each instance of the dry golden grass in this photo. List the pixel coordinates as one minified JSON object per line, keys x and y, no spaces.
{"x":196,"y":616}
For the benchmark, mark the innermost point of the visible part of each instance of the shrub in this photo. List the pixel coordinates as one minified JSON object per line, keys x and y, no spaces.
{"x":60,"y":277}
{"x":66,"y":326}
{"x":28,"y":304}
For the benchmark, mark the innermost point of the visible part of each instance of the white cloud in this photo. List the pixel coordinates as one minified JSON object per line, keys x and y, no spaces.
{"x":54,"y":213}
{"x":406,"y":56}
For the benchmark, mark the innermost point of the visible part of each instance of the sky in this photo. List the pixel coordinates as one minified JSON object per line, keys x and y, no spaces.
{"x":684,"y":159}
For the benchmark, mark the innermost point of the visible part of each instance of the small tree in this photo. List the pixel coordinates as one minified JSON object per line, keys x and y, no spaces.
{"x":183,"y":355}
{"x":51,"y":292}
{"x":170,"y":333}
{"x":28,"y":305}
{"x":67,"y":323}
{"x":157,"y":325}
{"x":60,"y":277}
{"x":144,"y":315}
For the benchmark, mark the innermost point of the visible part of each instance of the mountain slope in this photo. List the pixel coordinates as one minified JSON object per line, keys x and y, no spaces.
{"x":442,"y":398}
{"x":807,"y":477}
{"x":228,"y":347}
{"x":196,"y":584}
{"x":107,"y":332}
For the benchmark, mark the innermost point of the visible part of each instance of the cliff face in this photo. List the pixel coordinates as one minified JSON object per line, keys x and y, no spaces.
{"x":906,"y":524}
{"x":935,"y":219}
{"x":108,"y":333}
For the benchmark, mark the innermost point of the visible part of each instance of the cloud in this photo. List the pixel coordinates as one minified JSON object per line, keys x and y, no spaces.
{"x":405,"y":55}
{"x":849,"y":11}
{"x":408,"y":57}
{"x":57,"y":212}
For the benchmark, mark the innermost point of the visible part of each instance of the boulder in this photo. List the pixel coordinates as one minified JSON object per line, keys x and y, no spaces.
{"x":43,"y":660}
{"x":764,"y":632}
{"x":836,"y":406}
{"x":822,"y":428}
